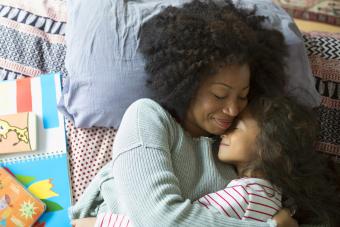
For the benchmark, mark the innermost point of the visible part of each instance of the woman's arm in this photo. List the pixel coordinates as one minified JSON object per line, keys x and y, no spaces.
{"x":151,"y":194}
{"x":84,"y":222}
{"x":145,"y":182}
{"x":110,"y":219}
{"x":146,"y":186}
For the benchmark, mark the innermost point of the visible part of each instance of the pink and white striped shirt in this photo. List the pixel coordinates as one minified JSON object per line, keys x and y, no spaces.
{"x":112,"y":220}
{"x":250,"y":199}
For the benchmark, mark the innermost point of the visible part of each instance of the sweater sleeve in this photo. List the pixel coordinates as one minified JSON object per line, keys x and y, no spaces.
{"x":151,"y":195}
{"x":146,"y":186}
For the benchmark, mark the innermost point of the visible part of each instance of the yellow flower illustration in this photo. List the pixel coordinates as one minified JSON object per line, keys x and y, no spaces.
{"x":42,"y":189}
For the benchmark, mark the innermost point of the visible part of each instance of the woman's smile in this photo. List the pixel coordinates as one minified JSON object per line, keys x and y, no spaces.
{"x":223,"y":123}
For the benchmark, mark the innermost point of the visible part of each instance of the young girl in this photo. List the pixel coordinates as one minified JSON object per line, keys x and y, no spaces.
{"x":271,"y":147}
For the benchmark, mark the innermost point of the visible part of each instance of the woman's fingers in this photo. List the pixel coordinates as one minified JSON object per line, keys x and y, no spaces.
{"x":83,"y":222}
{"x":284,"y":218}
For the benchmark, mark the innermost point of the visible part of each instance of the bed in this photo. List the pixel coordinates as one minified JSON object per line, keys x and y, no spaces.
{"x":32,"y":42}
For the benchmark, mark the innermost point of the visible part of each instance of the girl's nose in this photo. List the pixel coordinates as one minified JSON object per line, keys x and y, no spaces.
{"x":224,"y":136}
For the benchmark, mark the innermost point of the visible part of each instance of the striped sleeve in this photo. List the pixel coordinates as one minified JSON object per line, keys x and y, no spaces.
{"x":112,"y":220}
{"x":264,"y":202}
{"x":231,"y":201}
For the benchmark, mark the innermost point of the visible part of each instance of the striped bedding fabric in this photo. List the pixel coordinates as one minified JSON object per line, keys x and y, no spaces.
{"x":323,"y":51}
{"x":32,"y":41}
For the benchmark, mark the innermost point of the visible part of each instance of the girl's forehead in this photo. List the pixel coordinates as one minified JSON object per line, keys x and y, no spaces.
{"x":247,"y":118}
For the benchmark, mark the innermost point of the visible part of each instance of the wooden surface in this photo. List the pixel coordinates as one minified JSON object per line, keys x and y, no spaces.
{"x":309,"y":26}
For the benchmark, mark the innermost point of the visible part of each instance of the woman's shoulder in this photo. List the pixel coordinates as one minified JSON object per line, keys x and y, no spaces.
{"x":147,"y":105}
{"x":147,"y":111}
{"x":147,"y":102}
{"x":145,"y":122}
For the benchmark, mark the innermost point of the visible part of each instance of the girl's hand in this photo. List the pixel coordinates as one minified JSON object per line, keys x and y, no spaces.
{"x":84,"y":222}
{"x":283,"y":219}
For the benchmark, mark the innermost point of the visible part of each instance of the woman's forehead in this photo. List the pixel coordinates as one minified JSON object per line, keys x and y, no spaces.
{"x":231,"y":76}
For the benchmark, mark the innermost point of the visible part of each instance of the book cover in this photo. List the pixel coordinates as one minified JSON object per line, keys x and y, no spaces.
{"x":46,"y":177}
{"x":38,"y":95}
{"x":45,"y":171}
{"x":18,"y":207}
{"x":18,"y":133}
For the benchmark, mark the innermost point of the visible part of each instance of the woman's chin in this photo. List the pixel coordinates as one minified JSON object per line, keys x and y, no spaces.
{"x":217,"y":131}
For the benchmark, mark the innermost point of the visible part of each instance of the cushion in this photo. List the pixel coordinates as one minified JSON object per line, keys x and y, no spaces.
{"x":106,"y":72}
{"x":323,"y":51}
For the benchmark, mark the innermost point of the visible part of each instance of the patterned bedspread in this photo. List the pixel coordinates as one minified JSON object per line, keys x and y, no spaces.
{"x":326,"y":11}
{"x":32,"y":41}
{"x":324,"y":55}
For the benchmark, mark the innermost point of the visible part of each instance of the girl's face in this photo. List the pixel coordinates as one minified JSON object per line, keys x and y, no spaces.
{"x":239,"y":143}
{"x":219,"y":99}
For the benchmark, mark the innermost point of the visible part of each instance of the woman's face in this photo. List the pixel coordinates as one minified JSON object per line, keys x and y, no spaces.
{"x":219,"y":99}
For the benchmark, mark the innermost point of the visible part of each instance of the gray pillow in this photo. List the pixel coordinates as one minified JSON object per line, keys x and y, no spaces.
{"x":106,"y":72}
{"x":301,"y":83}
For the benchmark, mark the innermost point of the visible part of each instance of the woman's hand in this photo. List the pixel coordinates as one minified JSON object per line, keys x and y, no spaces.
{"x":84,"y":222}
{"x":283,"y":219}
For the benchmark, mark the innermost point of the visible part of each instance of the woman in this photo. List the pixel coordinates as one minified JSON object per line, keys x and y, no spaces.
{"x":204,"y":61}
{"x":271,"y":146}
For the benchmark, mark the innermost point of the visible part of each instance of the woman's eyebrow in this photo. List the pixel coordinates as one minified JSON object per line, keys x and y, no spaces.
{"x":228,"y":86}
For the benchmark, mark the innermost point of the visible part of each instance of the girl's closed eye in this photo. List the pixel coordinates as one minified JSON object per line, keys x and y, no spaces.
{"x":243,"y":98}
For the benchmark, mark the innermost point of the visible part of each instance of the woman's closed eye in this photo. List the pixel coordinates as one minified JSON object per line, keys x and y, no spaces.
{"x":219,"y":97}
{"x":220,"y":94}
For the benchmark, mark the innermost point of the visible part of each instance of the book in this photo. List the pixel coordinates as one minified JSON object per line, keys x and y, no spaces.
{"x":18,"y":207}
{"x":46,"y":177}
{"x":45,"y":171}
{"x":18,"y":133}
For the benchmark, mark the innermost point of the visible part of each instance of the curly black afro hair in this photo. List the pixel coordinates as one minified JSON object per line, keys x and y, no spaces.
{"x":182,"y":45}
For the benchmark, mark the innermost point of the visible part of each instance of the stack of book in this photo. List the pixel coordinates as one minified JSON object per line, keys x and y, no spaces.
{"x":33,"y":149}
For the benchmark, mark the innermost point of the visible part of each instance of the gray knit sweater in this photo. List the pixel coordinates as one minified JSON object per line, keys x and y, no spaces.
{"x":156,"y":171}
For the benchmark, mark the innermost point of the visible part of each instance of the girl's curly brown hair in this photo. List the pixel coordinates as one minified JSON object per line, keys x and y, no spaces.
{"x":183,"y":45}
{"x":287,"y":157}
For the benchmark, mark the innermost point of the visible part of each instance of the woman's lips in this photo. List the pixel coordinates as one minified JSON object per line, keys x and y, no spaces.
{"x":224,"y":124}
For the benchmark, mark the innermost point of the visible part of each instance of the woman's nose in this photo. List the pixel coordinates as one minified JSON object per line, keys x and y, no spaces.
{"x":231,"y":109}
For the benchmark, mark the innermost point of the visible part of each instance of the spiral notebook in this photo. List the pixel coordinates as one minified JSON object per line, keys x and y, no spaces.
{"x":45,"y":171}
